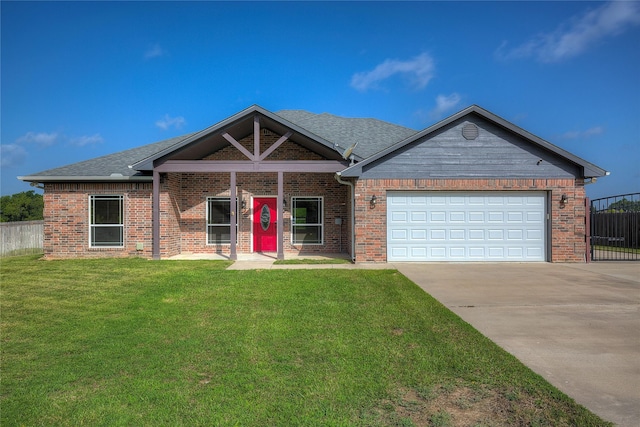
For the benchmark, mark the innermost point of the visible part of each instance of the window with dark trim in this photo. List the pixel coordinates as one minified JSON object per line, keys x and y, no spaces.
{"x":307,"y":220}
{"x":106,"y":227}
{"x":219,"y":220}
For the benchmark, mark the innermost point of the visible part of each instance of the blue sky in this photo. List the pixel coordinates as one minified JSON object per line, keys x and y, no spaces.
{"x":84,"y":79}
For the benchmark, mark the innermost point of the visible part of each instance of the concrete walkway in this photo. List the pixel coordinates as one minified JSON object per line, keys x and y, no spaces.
{"x":265,"y":261}
{"x":262,"y":264}
{"x":577,"y":325}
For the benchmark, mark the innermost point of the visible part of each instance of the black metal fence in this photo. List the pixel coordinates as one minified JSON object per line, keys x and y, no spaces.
{"x":615,"y":228}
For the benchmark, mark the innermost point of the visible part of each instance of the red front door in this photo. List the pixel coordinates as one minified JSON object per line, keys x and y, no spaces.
{"x":265,"y":233}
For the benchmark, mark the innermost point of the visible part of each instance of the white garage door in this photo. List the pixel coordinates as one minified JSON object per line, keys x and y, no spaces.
{"x":472,"y":226}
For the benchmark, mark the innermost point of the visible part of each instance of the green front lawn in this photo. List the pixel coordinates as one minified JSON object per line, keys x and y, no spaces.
{"x":616,"y":249}
{"x":135,"y":342}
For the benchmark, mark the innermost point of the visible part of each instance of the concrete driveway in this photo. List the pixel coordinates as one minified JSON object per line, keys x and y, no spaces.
{"x":577,"y":325}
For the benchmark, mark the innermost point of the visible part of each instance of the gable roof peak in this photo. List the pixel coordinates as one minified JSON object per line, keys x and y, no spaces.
{"x":589,"y":170}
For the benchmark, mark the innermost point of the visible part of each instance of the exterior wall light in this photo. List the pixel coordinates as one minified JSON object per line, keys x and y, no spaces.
{"x":373,"y":201}
{"x":243,"y":204}
{"x":564,"y":199}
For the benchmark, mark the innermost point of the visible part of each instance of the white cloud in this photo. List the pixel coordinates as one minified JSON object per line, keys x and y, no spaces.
{"x":444,"y":103}
{"x":575,"y":134}
{"x":86,"y":140}
{"x":41,"y":139}
{"x":154,"y":51}
{"x":420,"y":70}
{"x":166,"y":122}
{"x":578,"y":34}
{"x":12,"y":155}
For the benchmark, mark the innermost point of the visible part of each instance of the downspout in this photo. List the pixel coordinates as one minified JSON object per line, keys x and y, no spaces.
{"x":353,"y":214}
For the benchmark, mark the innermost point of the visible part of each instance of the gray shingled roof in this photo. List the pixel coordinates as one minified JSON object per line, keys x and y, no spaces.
{"x":106,"y":166}
{"x":375,"y":139}
{"x":372,"y":135}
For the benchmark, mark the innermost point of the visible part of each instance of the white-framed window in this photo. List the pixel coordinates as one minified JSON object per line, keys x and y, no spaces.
{"x":219,"y":220}
{"x":307,"y":224}
{"x":106,"y":219}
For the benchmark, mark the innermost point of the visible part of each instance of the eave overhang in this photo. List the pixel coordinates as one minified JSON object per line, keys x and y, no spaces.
{"x":51,"y":179}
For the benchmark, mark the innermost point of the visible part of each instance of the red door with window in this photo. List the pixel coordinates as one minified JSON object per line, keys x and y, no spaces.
{"x":265,"y":233}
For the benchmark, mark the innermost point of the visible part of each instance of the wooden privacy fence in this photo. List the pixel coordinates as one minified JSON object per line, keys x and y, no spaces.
{"x":21,"y":238}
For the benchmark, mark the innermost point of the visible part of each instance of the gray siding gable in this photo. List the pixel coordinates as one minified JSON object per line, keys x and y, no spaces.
{"x":502,"y":150}
{"x":494,"y":153}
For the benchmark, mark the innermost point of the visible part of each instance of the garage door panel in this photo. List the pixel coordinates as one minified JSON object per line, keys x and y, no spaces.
{"x":535,"y":217}
{"x":457,"y":235}
{"x":438,"y":252}
{"x":496,"y":217}
{"x":437,"y":216}
{"x":418,"y":216}
{"x":419,"y":252}
{"x":475,"y":216}
{"x":457,"y":216}
{"x":477,"y":253}
{"x":515,"y":253}
{"x":515,"y":235}
{"x":399,"y":216}
{"x":495,"y":235}
{"x":534,"y":235}
{"x":419,"y":234}
{"x":508,"y":226}
{"x":398,"y":252}
{"x":438,"y":234}
{"x":515,"y":217}
{"x":399,"y":234}
{"x":418,"y":201}
{"x":457,"y":252}
{"x":475,"y":234}
{"x":534,"y":253}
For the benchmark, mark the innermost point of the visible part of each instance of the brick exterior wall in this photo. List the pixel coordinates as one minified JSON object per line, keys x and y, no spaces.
{"x":567,"y":221}
{"x":183,"y":199}
{"x":192,"y":208}
{"x":66,"y":219}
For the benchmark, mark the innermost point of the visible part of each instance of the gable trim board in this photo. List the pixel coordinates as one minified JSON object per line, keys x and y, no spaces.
{"x":470,"y":155}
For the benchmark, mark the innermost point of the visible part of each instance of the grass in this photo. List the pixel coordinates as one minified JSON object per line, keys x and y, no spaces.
{"x":617,"y":249}
{"x":135,"y":342}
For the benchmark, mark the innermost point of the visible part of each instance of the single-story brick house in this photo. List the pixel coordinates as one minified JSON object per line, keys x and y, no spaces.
{"x":472,"y":187}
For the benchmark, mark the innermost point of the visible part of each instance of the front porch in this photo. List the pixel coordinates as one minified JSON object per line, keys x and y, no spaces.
{"x":248,"y":185}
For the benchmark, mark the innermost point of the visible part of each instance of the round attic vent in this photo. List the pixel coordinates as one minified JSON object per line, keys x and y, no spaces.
{"x":470,"y":131}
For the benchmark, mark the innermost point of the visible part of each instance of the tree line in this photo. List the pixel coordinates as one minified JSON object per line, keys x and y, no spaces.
{"x":25,"y":206}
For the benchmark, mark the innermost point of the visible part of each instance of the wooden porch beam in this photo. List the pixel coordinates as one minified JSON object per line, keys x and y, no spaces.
{"x":280,"y":220}
{"x":319,"y":166}
{"x":155,"y":216}
{"x":238,"y":146}
{"x":234,"y":217}
{"x":277,"y":144}
{"x":256,"y":137}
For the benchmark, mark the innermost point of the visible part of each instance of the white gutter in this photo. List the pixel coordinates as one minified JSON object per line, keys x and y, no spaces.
{"x":353,"y":214}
